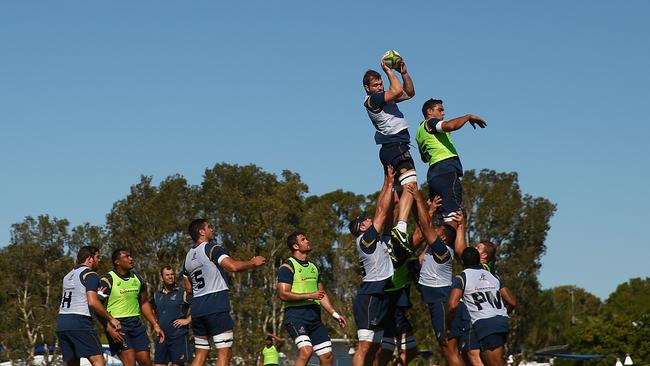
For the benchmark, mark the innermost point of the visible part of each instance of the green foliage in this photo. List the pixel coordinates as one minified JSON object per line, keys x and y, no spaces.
{"x":623,"y":327}
{"x":33,"y":265}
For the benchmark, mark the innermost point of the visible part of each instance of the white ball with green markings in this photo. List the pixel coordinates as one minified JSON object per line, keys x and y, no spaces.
{"x":392,"y":59}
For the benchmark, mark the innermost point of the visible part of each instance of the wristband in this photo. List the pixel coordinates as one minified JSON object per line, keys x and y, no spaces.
{"x":336,"y":315}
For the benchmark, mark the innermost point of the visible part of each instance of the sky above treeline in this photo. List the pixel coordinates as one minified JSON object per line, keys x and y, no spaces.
{"x":95,"y":94}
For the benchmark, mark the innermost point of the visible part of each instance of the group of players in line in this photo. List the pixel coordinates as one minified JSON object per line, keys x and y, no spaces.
{"x":468,"y":312}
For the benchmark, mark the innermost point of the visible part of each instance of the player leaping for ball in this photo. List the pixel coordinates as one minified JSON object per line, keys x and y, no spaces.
{"x":437,"y":149}
{"x":392,"y":132}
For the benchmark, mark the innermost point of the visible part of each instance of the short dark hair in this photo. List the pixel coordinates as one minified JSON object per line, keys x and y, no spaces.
{"x":450,"y":233}
{"x":169,"y":268}
{"x":116,"y":254}
{"x":355,"y":224}
{"x":490,"y":249}
{"x":293,"y":239}
{"x":86,"y":252}
{"x":470,"y":257}
{"x":429,"y":104}
{"x":195,"y":227}
{"x":369,"y":75}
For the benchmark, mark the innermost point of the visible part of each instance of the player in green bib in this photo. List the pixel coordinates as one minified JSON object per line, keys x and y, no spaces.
{"x":437,"y":149}
{"x":270,"y":356}
{"x":303,"y":293}
{"x":126,"y":298}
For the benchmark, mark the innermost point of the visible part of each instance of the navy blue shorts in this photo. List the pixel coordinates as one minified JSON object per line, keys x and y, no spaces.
{"x":175,"y":350}
{"x":494,"y":340}
{"x":448,"y":186}
{"x":397,"y":155}
{"x":370,"y":310}
{"x":212,"y":324}
{"x":462,"y":330}
{"x":76,"y":344}
{"x":492,"y":332}
{"x":135,"y":337}
{"x":306,"y":321}
{"x":396,"y":322}
{"x":438,"y":320}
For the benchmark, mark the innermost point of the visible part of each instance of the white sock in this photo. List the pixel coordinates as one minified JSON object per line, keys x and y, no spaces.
{"x":401,"y":226}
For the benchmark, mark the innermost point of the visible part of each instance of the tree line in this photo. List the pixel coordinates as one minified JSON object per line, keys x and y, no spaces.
{"x":253,"y":211}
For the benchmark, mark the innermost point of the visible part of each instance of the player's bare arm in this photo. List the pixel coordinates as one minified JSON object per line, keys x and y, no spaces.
{"x":424,"y":220}
{"x":511,"y":302}
{"x":408,"y":87}
{"x":384,"y":200}
{"x":459,"y":122}
{"x":326,"y":304}
{"x":285,"y":294}
{"x":395,"y":89}
{"x":460,"y":244}
{"x":148,"y":314}
{"x":232,"y":265}
{"x":98,"y":307}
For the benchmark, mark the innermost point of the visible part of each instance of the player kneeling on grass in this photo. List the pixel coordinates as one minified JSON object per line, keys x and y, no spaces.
{"x":488,"y":301}
{"x":303,"y":293}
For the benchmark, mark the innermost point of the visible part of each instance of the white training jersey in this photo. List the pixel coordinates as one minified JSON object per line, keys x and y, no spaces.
{"x":74,"y":299}
{"x":377,"y":266}
{"x":481,"y":295}
{"x":437,"y":273}
{"x":389,"y":120}
{"x":205,"y":276}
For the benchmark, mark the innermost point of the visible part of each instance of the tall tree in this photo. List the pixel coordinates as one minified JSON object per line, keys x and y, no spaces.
{"x":32,"y":266}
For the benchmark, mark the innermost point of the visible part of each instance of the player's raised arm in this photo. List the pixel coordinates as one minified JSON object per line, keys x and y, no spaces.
{"x":461,"y":243}
{"x":408,"y":88}
{"x":424,"y":219}
{"x":384,"y":200}
{"x":395,"y":89}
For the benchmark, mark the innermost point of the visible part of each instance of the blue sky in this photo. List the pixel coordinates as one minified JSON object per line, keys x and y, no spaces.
{"x":93,"y":94}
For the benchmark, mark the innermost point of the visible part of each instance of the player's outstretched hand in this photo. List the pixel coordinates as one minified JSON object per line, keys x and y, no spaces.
{"x":384,"y":67}
{"x":413,"y":190}
{"x":258,"y":260}
{"x":476,"y":120}
{"x":402,"y":67}
{"x":117,"y":335}
{"x":181,"y":322}
{"x":159,"y":332}
{"x":342,"y":321}
{"x":459,"y":217}
{"x":434,"y":204}
{"x":115,"y":323}
{"x":318,"y":295}
{"x":390,"y":172}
